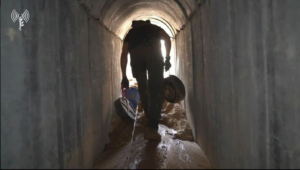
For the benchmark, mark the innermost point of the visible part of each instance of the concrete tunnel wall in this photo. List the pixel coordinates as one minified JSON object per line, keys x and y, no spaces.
{"x":61,"y":74}
{"x":237,"y":59}
{"x":59,"y":77}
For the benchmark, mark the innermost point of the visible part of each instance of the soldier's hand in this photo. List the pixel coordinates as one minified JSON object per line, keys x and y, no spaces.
{"x":167,"y":64}
{"x":124,"y":83}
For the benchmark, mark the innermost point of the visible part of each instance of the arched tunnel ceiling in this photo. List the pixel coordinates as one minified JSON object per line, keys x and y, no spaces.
{"x":117,"y":15}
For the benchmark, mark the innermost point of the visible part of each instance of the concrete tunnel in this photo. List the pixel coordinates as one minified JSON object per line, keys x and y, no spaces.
{"x":239,"y":61}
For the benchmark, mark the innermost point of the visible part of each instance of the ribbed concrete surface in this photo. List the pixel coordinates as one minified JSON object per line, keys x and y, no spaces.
{"x":117,"y":15}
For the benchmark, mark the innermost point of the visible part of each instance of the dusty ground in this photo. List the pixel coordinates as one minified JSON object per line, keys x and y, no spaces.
{"x":175,"y":150}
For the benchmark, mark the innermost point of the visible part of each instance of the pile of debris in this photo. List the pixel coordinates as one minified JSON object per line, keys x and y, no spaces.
{"x":174,"y":117}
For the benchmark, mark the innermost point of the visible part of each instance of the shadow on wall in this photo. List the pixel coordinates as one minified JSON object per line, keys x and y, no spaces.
{"x":191,"y":116}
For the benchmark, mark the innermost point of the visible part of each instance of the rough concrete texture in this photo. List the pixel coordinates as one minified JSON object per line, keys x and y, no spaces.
{"x":244,"y":92}
{"x":184,"y":70}
{"x":57,"y":85}
{"x":118,"y":14}
{"x":239,"y":61}
{"x":169,"y":153}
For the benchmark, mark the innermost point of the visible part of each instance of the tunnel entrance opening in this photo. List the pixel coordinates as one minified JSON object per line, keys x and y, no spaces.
{"x":168,"y":29}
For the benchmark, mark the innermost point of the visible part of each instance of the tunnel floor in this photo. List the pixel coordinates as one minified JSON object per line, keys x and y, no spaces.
{"x":169,"y":153}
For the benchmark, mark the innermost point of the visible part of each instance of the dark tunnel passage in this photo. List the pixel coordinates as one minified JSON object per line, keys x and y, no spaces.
{"x":238,"y":60}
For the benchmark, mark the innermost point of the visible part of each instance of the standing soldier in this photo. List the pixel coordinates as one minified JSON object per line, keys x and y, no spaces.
{"x":143,"y":44}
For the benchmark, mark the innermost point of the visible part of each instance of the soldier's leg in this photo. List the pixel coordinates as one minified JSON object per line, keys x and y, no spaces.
{"x":139,"y":71}
{"x":143,"y":89}
{"x":155,"y":66}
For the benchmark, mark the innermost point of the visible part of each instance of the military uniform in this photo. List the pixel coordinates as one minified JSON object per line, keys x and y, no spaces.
{"x":146,"y":56}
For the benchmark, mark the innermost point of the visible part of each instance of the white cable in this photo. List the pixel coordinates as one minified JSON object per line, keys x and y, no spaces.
{"x":129,"y":157}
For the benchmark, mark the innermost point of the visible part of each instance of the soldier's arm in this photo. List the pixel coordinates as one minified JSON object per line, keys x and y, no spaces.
{"x":167,"y":40}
